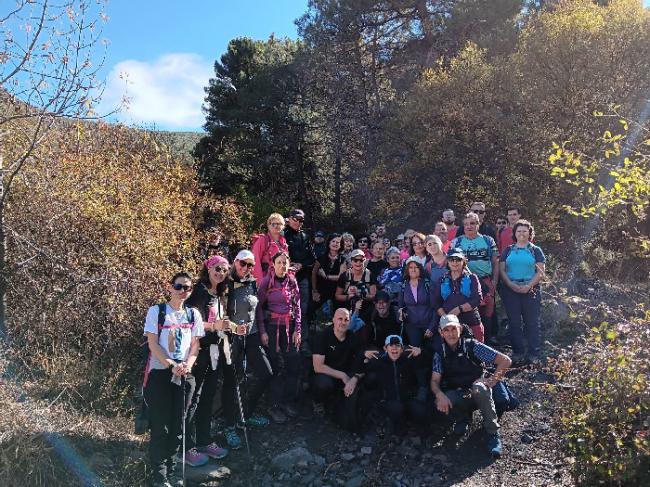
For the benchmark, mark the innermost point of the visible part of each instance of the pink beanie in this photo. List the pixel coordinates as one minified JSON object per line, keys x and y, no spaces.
{"x":216,"y":259}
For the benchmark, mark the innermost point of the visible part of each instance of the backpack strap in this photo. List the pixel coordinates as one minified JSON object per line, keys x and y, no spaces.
{"x":162,"y":312}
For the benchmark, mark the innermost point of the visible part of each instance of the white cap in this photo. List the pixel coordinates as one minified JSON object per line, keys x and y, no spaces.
{"x":245,"y":255}
{"x":449,"y":320}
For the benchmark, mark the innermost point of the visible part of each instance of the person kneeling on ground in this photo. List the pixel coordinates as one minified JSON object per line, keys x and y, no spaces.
{"x":169,"y":385}
{"x":393,"y":373}
{"x":458,"y":369}
{"x":337,"y":360}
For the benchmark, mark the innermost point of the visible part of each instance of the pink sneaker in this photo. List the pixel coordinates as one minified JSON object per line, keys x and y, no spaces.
{"x":213,"y":451}
{"x":195,"y":459}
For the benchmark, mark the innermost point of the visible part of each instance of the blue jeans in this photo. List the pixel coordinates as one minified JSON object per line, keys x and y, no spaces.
{"x":523,"y":314}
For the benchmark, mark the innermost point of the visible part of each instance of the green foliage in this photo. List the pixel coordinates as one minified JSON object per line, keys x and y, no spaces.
{"x":604,"y":403}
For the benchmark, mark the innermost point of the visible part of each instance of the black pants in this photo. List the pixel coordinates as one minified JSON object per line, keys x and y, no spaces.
{"x":168,"y":404}
{"x":256,"y":361}
{"x":397,"y":410}
{"x":346,"y":409}
{"x":284,"y":363}
{"x":199,"y":416}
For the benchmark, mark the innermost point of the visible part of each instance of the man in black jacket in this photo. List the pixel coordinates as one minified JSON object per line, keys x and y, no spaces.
{"x":302,"y":258}
{"x":393,"y":375}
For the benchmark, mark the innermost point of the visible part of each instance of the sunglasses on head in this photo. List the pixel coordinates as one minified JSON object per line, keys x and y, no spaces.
{"x":250,"y":265}
{"x":358,"y":260}
{"x":181,"y":287}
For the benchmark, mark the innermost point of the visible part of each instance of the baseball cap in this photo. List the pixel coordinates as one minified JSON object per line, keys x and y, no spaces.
{"x":245,"y":255}
{"x":382,"y":296}
{"x":448,"y":320}
{"x":297,"y":213}
{"x":319,"y":233}
{"x":394,"y":340}
{"x":456,"y":252}
{"x":357,"y":253}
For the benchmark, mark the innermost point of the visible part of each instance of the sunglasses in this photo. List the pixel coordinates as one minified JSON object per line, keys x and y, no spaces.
{"x":357,"y":260}
{"x":299,"y":219}
{"x":363,"y":240}
{"x":454,"y":259}
{"x":501,"y":223}
{"x":250,"y":265}
{"x":480,"y":212}
{"x":181,"y":287}
{"x":220,"y":269}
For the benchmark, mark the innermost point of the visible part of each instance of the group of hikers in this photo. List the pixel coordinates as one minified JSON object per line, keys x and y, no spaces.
{"x":410,"y":330}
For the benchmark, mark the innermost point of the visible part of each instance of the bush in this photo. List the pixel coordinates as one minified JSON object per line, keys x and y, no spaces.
{"x":97,"y":224}
{"x":604,"y":403}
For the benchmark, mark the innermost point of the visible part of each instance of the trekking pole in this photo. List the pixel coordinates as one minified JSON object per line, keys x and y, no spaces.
{"x":238,"y":391}
{"x":183,"y":384}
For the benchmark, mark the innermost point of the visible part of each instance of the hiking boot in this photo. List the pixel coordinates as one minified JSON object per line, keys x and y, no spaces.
{"x":460,"y":428}
{"x":494,"y":445}
{"x":213,"y":451}
{"x":277,"y":416}
{"x":319,"y":409}
{"x":290,"y":410}
{"x":232,"y":438}
{"x":256,"y":421}
{"x":194,"y":459}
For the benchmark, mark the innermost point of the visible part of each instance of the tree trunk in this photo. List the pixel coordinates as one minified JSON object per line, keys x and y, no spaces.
{"x":337,"y":189}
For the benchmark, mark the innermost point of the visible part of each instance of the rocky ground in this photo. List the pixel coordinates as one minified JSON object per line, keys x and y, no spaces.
{"x":308,"y":451}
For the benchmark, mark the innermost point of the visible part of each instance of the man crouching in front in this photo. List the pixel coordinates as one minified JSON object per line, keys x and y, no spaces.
{"x":459,"y":369}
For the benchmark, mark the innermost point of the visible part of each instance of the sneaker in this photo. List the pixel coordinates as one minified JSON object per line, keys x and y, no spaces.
{"x":290,"y":410}
{"x":277,"y":416}
{"x":319,"y":409}
{"x":460,"y":428}
{"x":494,"y":445}
{"x":257,"y":421}
{"x":213,"y":451}
{"x":232,"y":438}
{"x":194,"y":459}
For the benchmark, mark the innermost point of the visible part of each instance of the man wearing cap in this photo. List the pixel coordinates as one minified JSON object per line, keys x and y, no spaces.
{"x":302,"y":258}
{"x":483,"y":260}
{"x":392,"y":377}
{"x":460,"y":382}
{"x":338,"y":367}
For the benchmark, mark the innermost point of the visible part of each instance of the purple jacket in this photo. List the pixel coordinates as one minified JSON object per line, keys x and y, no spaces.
{"x":278,"y":296}
{"x":420,"y":314}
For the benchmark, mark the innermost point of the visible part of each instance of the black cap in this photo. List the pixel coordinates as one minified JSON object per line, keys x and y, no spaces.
{"x":297,"y":213}
{"x":382,"y":296}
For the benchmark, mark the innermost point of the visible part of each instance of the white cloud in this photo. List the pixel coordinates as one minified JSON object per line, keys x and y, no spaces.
{"x":167,"y":92}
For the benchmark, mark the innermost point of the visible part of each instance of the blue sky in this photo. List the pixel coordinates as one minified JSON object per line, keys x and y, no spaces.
{"x":161,"y":53}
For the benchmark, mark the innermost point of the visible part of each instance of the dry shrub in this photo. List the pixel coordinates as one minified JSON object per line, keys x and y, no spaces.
{"x":97,"y":224}
{"x":604,"y":404}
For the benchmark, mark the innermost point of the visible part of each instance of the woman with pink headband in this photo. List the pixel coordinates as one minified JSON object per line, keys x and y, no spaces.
{"x":209,"y":297}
